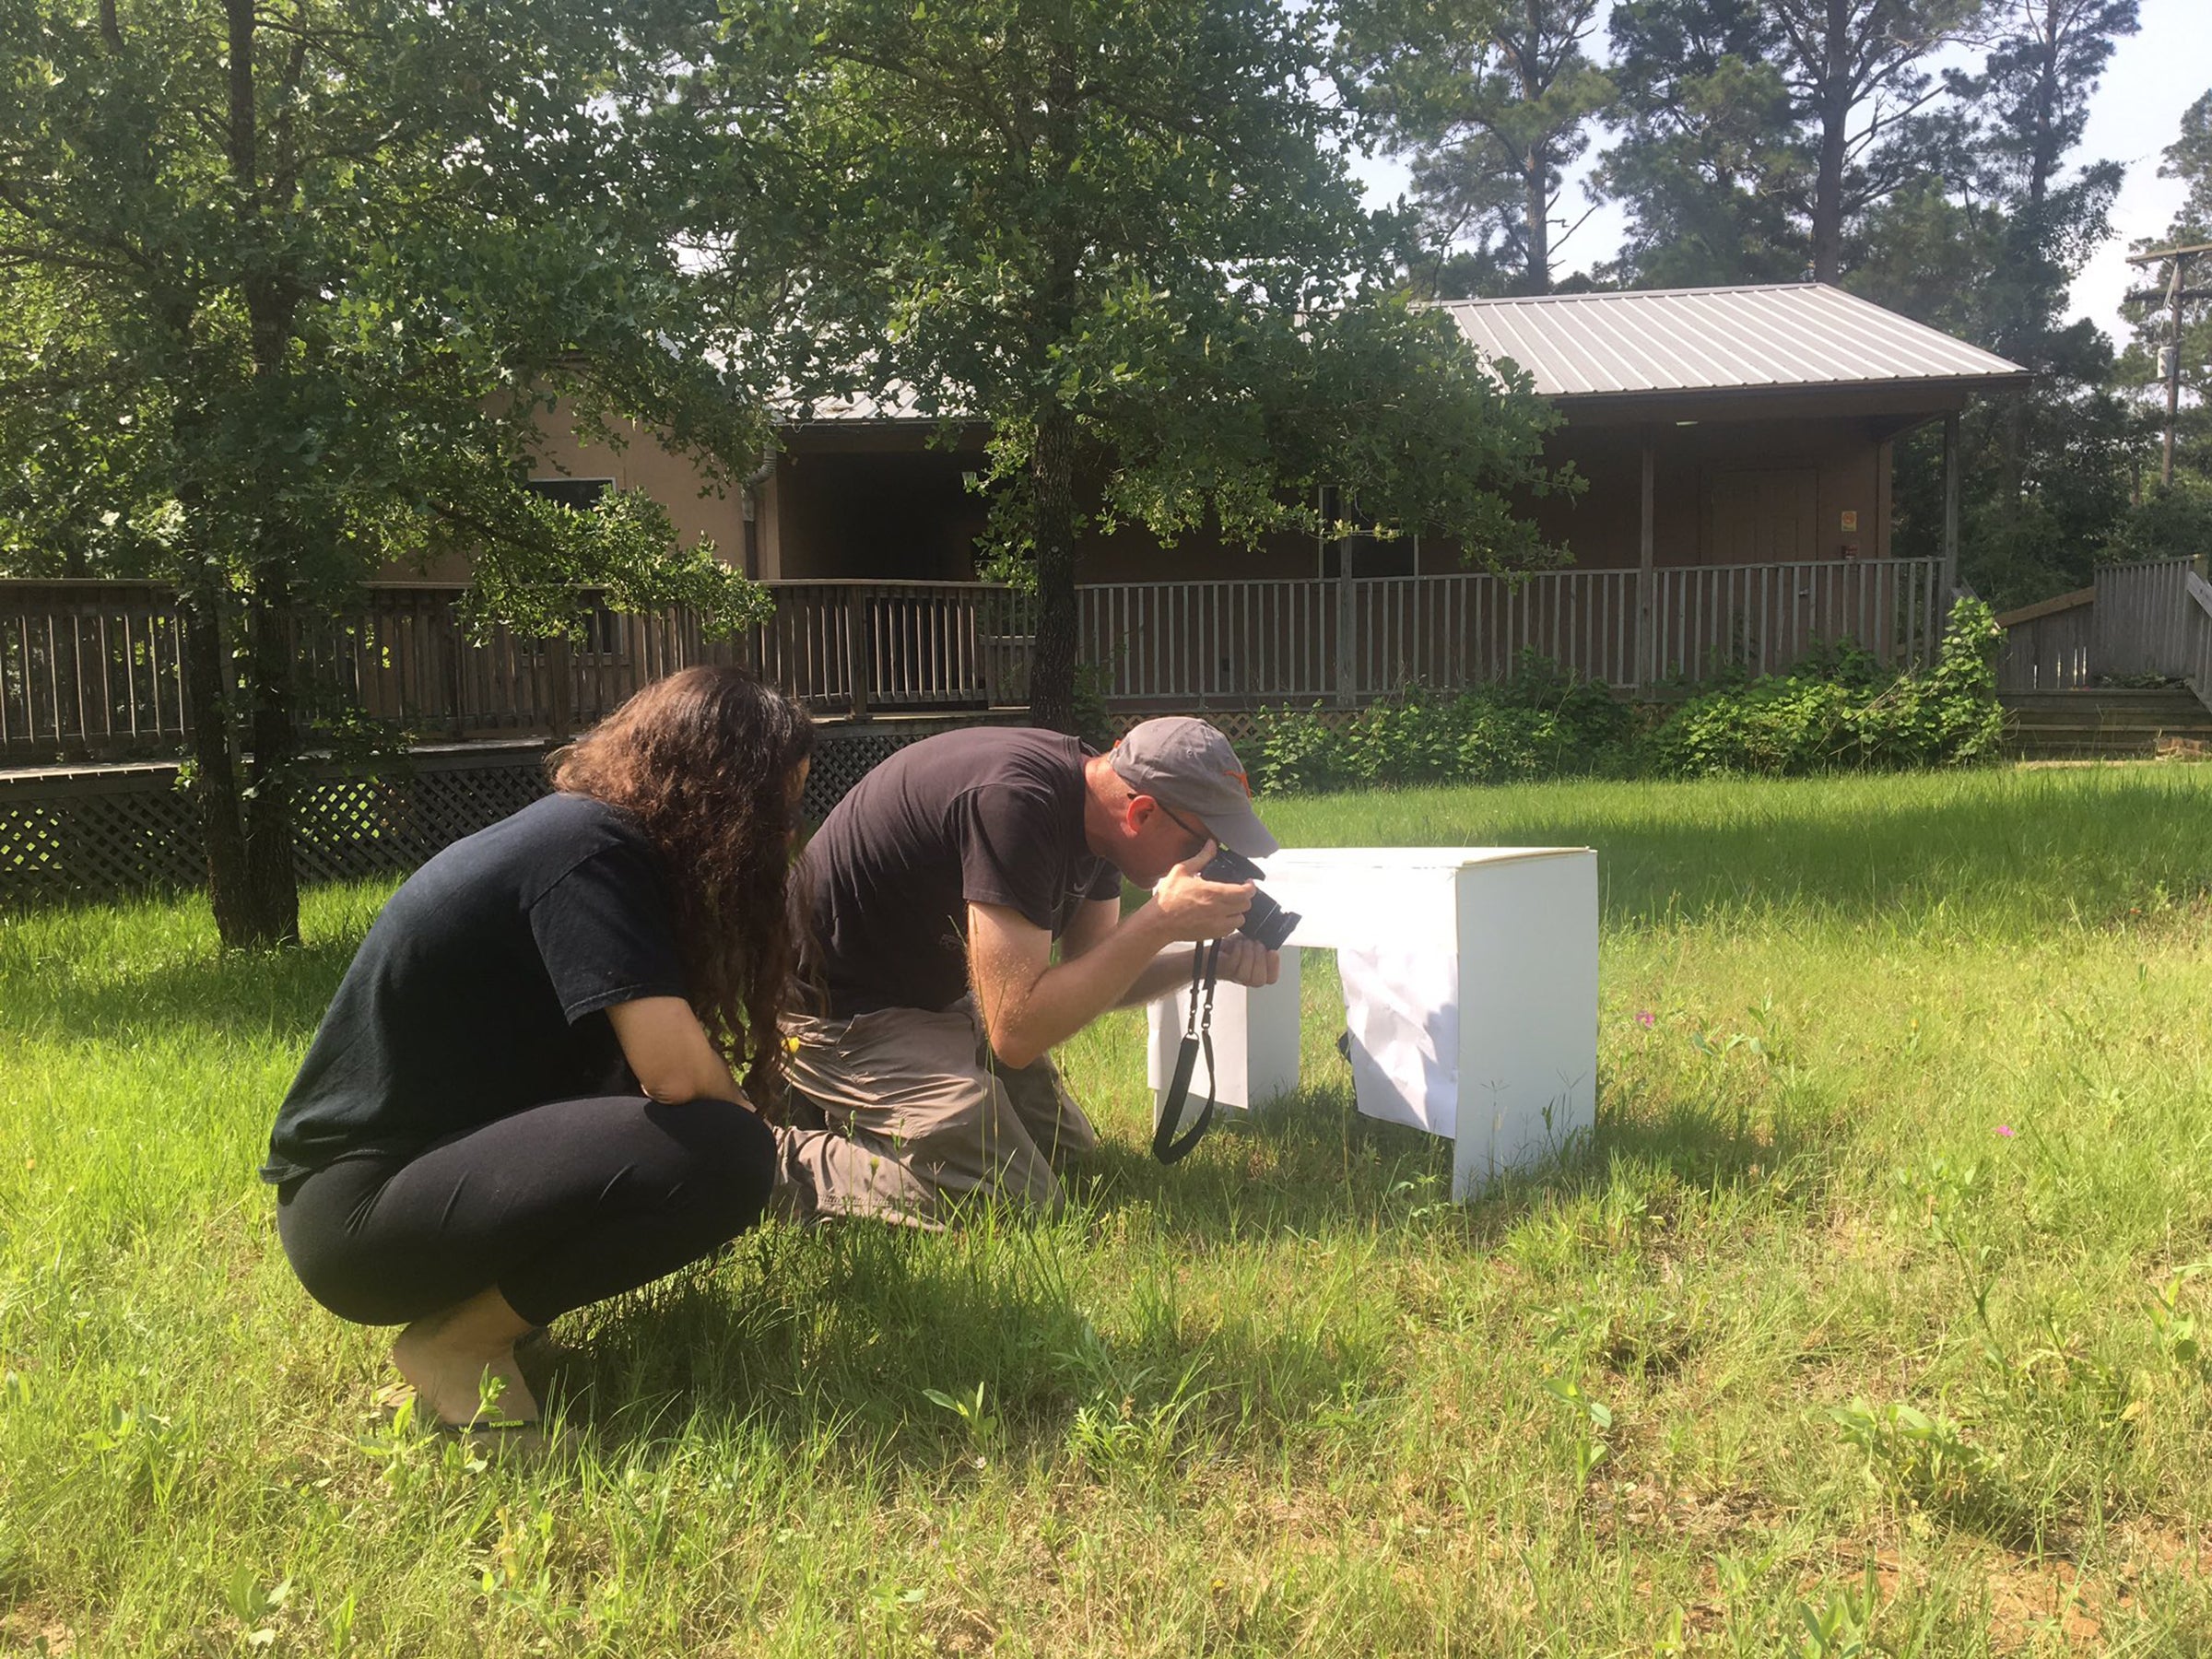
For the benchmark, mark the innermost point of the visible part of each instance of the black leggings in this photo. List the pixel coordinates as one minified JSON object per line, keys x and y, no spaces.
{"x":556,"y":1207}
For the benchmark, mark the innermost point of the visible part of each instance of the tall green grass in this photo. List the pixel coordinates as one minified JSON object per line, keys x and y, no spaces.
{"x":1867,"y":1317}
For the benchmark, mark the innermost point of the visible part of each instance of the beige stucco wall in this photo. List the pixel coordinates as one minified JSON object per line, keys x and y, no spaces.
{"x":699,"y":509}
{"x":885,"y":500}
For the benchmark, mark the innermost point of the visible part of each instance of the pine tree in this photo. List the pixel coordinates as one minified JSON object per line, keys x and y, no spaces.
{"x":2188,"y":159}
{"x":1760,"y":132}
{"x":2044,"y":474}
{"x":1491,"y":100}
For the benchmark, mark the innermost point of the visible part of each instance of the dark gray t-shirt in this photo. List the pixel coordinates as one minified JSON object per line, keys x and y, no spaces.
{"x":990,"y":815}
{"x":481,"y":988}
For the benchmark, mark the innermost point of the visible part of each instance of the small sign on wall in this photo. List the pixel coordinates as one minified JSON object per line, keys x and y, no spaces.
{"x":1851,"y":522}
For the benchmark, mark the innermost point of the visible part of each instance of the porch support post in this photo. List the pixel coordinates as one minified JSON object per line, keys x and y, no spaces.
{"x":1347,"y":623}
{"x":1950,"y":518}
{"x":1646,"y":582}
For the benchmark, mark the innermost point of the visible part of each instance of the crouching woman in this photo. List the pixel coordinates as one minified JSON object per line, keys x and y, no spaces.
{"x":519,"y":1101}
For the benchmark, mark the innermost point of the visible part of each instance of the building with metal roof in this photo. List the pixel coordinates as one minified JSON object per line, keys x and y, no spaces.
{"x":1726,"y":437}
{"x":1776,"y":338}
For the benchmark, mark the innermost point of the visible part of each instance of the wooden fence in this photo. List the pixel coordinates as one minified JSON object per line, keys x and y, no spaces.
{"x":2050,"y":646}
{"x":2148,"y":617}
{"x":94,"y":669}
{"x":1232,"y":644}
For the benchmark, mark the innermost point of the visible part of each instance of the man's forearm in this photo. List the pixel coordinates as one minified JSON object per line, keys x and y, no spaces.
{"x":1070,"y":994}
{"x":1168,"y":972}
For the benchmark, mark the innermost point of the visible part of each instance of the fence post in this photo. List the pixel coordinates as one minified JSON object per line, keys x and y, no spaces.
{"x":558,"y":687}
{"x":1347,"y":619}
{"x":448,"y":633}
{"x":857,"y":666}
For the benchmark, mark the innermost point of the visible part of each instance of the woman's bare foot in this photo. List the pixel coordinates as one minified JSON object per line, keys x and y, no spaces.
{"x":460,"y":1362}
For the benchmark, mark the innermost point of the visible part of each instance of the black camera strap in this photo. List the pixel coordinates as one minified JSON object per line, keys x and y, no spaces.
{"x":1197,"y":1034}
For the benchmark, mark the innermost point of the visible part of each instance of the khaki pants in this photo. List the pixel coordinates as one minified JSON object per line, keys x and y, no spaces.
{"x":920,"y":1114}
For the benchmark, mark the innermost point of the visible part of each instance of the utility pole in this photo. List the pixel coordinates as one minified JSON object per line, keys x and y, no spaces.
{"x":2177,"y":290}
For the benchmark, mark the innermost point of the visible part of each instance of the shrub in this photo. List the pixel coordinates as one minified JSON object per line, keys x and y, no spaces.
{"x":1539,"y":724}
{"x":1291,"y":752}
{"x":1783,"y":726}
{"x":1840,"y":708}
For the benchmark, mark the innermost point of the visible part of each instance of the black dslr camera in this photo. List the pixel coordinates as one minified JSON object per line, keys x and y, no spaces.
{"x":1266,"y":922}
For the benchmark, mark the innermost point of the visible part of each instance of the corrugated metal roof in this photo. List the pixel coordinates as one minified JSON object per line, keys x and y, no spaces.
{"x":1709,"y":339}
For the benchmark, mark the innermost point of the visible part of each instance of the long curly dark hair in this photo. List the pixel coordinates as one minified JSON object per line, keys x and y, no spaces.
{"x":705,"y":761}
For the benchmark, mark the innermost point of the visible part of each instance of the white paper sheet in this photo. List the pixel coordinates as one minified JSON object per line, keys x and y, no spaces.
{"x":1402,"y":1008}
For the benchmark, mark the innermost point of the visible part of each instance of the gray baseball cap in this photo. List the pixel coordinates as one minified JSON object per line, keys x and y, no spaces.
{"x":1188,"y":767}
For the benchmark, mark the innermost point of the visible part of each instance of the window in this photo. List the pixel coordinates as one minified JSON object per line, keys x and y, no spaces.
{"x":579,"y":495}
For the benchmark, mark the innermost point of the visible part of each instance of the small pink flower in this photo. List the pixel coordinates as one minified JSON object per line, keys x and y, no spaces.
{"x":2005,"y":1130}
{"x":1646,"y":1018}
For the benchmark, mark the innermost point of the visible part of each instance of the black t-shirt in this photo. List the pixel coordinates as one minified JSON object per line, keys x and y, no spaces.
{"x":989,"y":815}
{"x":480,"y":990}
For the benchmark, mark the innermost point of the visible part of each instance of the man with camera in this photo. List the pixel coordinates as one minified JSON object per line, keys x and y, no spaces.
{"x":934,"y":895}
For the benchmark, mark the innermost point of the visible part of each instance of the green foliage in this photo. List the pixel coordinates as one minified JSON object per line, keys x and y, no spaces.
{"x":1842,"y":710}
{"x":1839,"y":708}
{"x":1538,"y":723}
{"x":2187,"y":160}
{"x":1491,"y":104}
{"x":1757,"y":135}
{"x":1125,"y":236}
{"x":286,"y":291}
{"x":1923,"y":1459}
{"x":2173,"y":523}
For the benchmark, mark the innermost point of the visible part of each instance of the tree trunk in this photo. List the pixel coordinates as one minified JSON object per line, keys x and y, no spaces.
{"x":250,"y":875}
{"x":1835,"y":140}
{"x":216,"y":783}
{"x":1535,"y":161}
{"x":1053,"y":450}
{"x":273,"y":884}
{"x":1536,"y":208}
{"x":1052,"y":497}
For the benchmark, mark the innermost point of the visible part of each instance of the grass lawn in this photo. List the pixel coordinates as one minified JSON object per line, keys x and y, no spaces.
{"x":1870,"y":1315}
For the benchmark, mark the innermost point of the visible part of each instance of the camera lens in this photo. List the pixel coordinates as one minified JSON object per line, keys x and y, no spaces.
{"x":1268,"y":922}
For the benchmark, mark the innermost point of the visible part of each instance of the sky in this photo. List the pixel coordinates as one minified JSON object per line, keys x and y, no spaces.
{"x":2135,"y":114}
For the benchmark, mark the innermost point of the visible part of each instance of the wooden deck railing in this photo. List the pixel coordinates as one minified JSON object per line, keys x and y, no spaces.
{"x":93,"y":669}
{"x":94,"y":666}
{"x":1235,"y":643}
{"x":2048,"y":647}
{"x":2196,"y":638}
{"x":2140,"y":617}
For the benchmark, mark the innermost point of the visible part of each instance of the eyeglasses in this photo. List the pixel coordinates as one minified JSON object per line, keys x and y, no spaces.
{"x":1199,"y":834}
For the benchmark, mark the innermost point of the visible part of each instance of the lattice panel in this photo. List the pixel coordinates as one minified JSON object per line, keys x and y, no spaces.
{"x":97,"y":833}
{"x":129,"y":832}
{"x":843,"y":758}
{"x":1238,"y":725}
{"x":349,"y":828}
{"x":354,"y":827}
